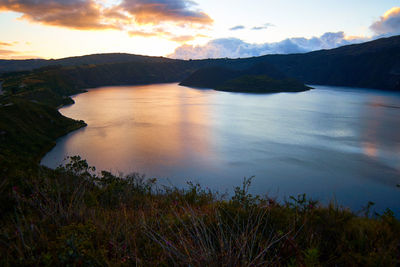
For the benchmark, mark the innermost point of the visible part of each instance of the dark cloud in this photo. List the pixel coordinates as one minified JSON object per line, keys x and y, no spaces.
{"x":238,"y":27}
{"x":263,"y":27}
{"x":92,"y":15}
{"x":235,"y":48}
{"x":388,"y":24}
{"x":77,"y":14}
{"x":156,"y":11}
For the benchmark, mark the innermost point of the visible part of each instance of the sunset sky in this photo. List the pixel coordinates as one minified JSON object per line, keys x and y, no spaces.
{"x":189,"y":29}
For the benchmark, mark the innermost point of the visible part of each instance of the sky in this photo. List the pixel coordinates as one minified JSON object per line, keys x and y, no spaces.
{"x":189,"y":28}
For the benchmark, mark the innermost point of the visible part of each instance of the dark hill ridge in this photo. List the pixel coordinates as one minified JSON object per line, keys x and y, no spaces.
{"x":374,"y":64}
{"x":262,"y":84}
{"x":97,"y":59}
{"x":54,"y":84}
{"x":210,"y":77}
{"x":259,"y":78}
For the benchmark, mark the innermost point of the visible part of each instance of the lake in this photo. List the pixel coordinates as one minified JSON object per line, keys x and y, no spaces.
{"x":332,"y":143}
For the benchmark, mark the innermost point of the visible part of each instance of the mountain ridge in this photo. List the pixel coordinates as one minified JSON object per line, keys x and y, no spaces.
{"x":373,"y":64}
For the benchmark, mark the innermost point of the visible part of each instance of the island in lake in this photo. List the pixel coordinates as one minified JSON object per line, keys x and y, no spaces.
{"x":259,"y":78}
{"x":262,"y":84}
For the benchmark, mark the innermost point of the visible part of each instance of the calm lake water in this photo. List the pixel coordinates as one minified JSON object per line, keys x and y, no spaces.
{"x":332,"y":143}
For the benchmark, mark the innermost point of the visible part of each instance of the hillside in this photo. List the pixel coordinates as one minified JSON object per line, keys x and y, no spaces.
{"x":75,"y":216}
{"x":30,"y":64}
{"x":374,"y":64}
{"x":29,"y":129}
{"x":54,"y":84}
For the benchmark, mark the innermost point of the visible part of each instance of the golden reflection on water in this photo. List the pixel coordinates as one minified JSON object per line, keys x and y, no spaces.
{"x":321,"y":142}
{"x":374,"y":113}
{"x":163,"y":129}
{"x":381,"y":130}
{"x":370,"y":149}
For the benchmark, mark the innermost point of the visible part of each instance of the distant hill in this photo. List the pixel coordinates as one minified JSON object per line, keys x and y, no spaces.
{"x":53,"y":85}
{"x":374,"y":64}
{"x":31,"y":64}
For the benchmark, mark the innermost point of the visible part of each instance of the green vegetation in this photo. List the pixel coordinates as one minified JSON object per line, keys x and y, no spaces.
{"x":262,"y":84}
{"x":28,"y":130}
{"x":29,"y":120}
{"x":52,"y":85}
{"x":372,"y":64}
{"x":75,"y":216}
{"x":72,"y":216}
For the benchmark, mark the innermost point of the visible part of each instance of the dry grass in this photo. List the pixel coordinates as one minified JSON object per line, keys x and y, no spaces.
{"x":71,"y":216}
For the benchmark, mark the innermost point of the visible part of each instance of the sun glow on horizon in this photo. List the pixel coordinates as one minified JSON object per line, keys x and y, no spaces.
{"x":48,"y":29}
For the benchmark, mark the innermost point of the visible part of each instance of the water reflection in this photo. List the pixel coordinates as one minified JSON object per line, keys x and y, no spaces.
{"x":328,"y":142}
{"x":380,"y":133}
{"x":370,"y":149}
{"x":130,"y":131}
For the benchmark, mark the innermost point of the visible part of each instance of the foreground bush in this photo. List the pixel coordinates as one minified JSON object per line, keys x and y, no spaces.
{"x":72,"y":216}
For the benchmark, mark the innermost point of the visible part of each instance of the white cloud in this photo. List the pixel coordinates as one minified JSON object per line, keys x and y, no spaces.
{"x":388,"y":24}
{"x":234,"y":48}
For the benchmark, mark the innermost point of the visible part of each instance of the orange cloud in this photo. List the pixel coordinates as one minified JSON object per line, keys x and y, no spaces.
{"x":187,"y":38}
{"x":5,"y":44}
{"x":93,"y":15}
{"x":5,"y":52}
{"x":389,"y":23}
{"x":158,"y":11}
{"x":77,"y":14}
{"x":160,"y":32}
{"x":394,"y":11}
{"x":144,"y":18}
{"x":143,"y":33}
{"x":12,"y":54}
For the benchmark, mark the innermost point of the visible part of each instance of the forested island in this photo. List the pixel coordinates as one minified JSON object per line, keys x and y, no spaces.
{"x":74,"y":215}
{"x":260,"y":78}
